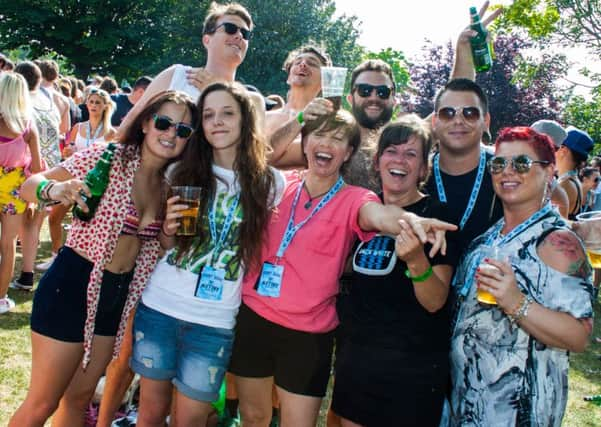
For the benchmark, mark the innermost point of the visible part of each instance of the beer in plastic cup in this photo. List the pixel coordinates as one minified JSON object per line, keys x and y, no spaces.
{"x":187,"y":196}
{"x":592,"y":241}
{"x":491,"y":252}
{"x":332,"y":84}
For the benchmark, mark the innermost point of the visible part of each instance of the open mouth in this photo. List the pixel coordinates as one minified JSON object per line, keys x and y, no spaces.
{"x":397,"y":172}
{"x":509,"y":185}
{"x":167,"y":144}
{"x":323,"y":159}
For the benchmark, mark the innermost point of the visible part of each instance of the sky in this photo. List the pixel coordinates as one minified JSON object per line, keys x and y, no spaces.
{"x":403,"y":25}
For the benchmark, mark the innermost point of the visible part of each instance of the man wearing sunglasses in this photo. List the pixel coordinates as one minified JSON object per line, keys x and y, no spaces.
{"x":460,"y":178}
{"x":283,"y":127}
{"x":227,"y":30}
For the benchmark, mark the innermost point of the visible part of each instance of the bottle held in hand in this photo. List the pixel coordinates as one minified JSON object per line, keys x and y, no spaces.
{"x":97,"y":180}
{"x":481,"y":50}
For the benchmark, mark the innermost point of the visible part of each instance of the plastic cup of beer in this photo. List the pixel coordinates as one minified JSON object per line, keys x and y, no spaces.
{"x":332,"y":84}
{"x":187,"y":196}
{"x":592,"y":239}
{"x":490,"y":252}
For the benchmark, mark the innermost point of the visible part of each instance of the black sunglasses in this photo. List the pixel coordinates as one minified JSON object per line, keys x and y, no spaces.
{"x":182,"y":130}
{"x":470,"y":114}
{"x":232,"y":29}
{"x":520,"y":163}
{"x":364,"y":90}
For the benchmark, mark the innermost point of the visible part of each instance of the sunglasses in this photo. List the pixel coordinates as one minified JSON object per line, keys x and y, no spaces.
{"x":364,"y":90}
{"x":470,"y":114}
{"x":521,"y":164}
{"x":232,"y":29}
{"x":182,"y":130}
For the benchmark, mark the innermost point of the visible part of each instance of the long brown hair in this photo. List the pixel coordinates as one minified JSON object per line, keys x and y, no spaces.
{"x":254,"y":176}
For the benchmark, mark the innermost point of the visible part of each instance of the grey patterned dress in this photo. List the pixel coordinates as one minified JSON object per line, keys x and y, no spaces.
{"x":501,"y":375}
{"x":47,"y":120}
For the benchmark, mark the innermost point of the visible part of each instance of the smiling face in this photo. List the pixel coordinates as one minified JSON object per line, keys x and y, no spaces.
{"x":221,"y":124}
{"x":521,"y":189}
{"x":401,"y":166}
{"x":372,"y":111}
{"x":459,"y":135}
{"x":231,"y":47}
{"x":164,"y":144}
{"x":326,"y":152}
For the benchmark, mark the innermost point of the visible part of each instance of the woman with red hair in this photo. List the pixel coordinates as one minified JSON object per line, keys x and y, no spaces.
{"x":509,"y":361}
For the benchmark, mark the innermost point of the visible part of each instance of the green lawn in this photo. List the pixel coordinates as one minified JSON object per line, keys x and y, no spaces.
{"x":585,"y":373}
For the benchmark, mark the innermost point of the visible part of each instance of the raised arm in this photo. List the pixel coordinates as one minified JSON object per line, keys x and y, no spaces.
{"x":463,"y":65}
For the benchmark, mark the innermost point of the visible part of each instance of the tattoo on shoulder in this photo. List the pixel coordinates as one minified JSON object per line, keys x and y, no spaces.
{"x":567,"y":245}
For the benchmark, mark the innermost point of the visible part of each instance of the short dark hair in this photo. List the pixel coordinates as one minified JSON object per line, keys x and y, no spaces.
{"x":31,"y":72}
{"x":312,"y":48}
{"x":587,"y":171}
{"x":49,"y":69}
{"x":373,"y":65}
{"x":2,"y":61}
{"x":109,"y":84}
{"x":9,"y":65}
{"x":462,"y":85}
{"x":217,"y":10}
{"x":142,"y":82}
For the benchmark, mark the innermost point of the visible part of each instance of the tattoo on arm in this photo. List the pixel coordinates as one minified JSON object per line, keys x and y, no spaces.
{"x":568,"y":247}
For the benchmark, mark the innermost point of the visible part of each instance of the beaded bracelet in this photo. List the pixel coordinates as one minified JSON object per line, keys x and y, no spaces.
{"x":422,"y":277}
{"x":522,"y":311}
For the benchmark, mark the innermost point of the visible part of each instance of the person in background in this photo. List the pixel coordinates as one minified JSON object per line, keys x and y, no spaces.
{"x":125,"y":101}
{"x":50,"y":76}
{"x":83,"y":301}
{"x":19,"y":157}
{"x":596,"y":163}
{"x":558,"y":134}
{"x":278,"y":102}
{"x":570,"y":158}
{"x":109,"y":85}
{"x":509,"y":361}
{"x":589,"y":180}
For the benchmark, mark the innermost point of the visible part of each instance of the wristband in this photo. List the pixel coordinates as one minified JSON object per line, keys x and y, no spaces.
{"x":422,"y":277}
{"x":39,"y":192}
{"x":300,"y":118}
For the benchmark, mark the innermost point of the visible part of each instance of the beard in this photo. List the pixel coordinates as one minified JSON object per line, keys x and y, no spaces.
{"x":372,"y":123}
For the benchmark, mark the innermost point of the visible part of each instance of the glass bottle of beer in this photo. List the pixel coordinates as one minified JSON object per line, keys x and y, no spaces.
{"x":97,"y":180}
{"x":481,"y":51}
{"x":595,"y":399}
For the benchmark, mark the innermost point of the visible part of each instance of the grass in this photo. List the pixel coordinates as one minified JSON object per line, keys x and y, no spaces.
{"x":15,"y":359}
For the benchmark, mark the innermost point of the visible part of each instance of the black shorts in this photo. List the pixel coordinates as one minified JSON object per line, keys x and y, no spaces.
{"x":60,"y":302}
{"x":382,"y":387}
{"x":298,"y":361}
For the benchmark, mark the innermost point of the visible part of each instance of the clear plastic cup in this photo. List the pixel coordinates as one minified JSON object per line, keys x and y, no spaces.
{"x":188,"y":196}
{"x":590,"y":232}
{"x":332,"y":84}
{"x":491,"y":252}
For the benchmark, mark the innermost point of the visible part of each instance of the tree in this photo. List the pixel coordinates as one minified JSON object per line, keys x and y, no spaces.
{"x":520,"y":91}
{"x":398,"y":63}
{"x":586,"y":115}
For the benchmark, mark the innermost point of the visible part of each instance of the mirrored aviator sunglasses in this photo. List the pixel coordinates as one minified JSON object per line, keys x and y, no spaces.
{"x":364,"y":90}
{"x":521,"y":164}
{"x":470,"y":114}
{"x":232,"y":29}
{"x":163,"y":123}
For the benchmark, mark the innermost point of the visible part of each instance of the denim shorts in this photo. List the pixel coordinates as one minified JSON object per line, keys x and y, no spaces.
{"x":194,"y":357}
{"x":60,"y":302}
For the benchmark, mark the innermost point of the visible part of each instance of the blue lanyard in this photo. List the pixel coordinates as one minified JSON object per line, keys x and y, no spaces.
{"x":227,"y":224}
{"x":475,"y":189}
{"x":89,"y":133}
{"x":494,"y":237}
{"x":292,"y":229}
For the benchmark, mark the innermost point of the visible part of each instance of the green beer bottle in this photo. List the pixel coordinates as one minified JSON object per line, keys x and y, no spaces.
{"x":595,"y":399}
{"x":481,"y":51}
{"x":96,"y":180}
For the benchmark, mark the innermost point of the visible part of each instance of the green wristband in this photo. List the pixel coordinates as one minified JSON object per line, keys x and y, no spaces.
{"x":422,"y":277}
{"x":300,"y":118}
{"x":41,"y":186}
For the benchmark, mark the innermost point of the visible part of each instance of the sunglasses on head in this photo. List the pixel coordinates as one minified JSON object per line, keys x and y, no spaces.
{"x":182,"y":130}
{"x":364,"y":90}
{"x":470,"y":114}
{"x":232,"y":29}
{"x":520,"y":163}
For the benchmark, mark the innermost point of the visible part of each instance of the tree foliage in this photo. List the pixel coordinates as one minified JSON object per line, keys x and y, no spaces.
{"x":398,"y":63}
{"x":586,"y":115}
{"x":128,"y":38}
{"x":512,"y":101}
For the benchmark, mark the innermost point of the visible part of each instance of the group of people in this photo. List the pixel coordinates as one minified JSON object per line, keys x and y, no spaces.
{"x":323,"y":234}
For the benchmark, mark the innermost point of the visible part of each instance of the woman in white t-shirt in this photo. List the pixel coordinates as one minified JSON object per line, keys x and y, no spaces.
{"x":183,"y":329}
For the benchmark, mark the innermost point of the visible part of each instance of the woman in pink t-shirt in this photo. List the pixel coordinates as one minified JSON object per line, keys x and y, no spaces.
{"x":19,"y":155}
{"x":286,"y":324}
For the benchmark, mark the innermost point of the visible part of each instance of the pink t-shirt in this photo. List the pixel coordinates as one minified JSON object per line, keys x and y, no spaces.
{"x":313,"y":262}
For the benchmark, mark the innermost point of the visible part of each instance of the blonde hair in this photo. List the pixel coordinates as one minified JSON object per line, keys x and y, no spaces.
{"x":15,"y":105}
{"x":109,"y":106}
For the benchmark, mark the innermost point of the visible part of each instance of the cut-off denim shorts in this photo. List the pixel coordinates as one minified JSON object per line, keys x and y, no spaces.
{"x":193,"y":356}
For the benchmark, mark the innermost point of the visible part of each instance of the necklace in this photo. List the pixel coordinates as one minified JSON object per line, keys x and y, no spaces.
{"x":310,"y":201}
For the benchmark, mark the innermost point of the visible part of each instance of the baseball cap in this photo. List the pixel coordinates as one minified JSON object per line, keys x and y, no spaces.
{"x":579,"y":141}
{"x":552,"y":129}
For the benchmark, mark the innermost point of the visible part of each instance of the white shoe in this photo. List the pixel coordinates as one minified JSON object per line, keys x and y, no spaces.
{"x":43,"y":266}
{"x":6,"y":305}
{"x":15,"y":284}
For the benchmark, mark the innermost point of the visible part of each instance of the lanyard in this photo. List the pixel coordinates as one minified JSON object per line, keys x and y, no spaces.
{"x":475,"y":189}
{"x":227,"y":224}
{"x":494,"y":237}
{"x":89,"y":133}
{"x":292,"y":229}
